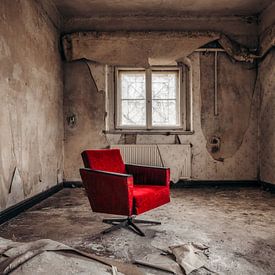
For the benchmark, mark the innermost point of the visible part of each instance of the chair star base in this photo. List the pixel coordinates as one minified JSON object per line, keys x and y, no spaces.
{"x":129,"y":223}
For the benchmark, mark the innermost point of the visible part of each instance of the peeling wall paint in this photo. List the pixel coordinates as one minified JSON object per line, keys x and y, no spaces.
{"x":146,"y":48}
{"x":83,"y":98}
{"x":236,"y":81}
{"x":134,"y":48}
{"x":31,"y":90}
{"x":242,"y":165}
{"x":267,"y":118}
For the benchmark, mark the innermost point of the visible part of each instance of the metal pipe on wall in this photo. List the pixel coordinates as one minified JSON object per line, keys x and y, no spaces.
{"x":216,"y":111}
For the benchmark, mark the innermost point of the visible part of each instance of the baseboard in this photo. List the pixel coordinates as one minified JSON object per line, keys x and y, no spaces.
{"x":22,"y":206}
{"x":16,"y":209}
{"x":215,"y":183}
{"x":267,"y":186}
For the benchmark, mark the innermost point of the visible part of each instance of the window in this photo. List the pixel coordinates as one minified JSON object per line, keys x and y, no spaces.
{"x":148,"y":99}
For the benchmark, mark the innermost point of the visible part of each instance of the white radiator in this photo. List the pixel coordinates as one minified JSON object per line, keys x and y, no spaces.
{"x":140,"y":154}
{"x":175,"y":156}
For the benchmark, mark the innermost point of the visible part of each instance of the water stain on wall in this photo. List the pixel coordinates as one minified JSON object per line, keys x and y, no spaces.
{"x":225,"y":131}
{"x":83,"y":99}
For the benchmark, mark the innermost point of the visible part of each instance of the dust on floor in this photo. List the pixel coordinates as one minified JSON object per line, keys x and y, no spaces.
{"x":238,"y":226}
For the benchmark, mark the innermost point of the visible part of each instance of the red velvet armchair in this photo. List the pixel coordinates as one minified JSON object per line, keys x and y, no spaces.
{"x":123,"y":189}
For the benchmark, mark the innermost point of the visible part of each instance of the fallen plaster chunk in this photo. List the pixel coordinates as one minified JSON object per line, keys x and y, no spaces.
{"x":188,"y":257}
{"x":185,"y":259}
{"x":160,"y":262}
{"x":55,"y":263}
{"x":43,"y":256}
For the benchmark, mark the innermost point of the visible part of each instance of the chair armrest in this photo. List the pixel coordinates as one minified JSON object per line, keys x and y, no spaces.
{"x":149,"y":175}
{"x":108,"y":192}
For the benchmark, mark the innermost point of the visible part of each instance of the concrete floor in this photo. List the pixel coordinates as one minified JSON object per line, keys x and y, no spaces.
{"x":238,"y":226}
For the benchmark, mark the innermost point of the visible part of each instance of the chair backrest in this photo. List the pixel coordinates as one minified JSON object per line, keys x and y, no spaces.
{"x":109,"y":160}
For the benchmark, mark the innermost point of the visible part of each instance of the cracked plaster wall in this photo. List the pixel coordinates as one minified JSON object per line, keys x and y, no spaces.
{"x":240,"y":162}
{"x":236,"y":82}
{"x":31,"y":89}
{"x":266,"y":87}
{"x":267,"y":117}
{"x":31,"y":133}
{"x":239,"y":137}
{"x":86,"y":104}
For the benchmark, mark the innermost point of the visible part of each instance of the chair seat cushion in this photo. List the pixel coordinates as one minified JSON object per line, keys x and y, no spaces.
{"x":149,"y":197}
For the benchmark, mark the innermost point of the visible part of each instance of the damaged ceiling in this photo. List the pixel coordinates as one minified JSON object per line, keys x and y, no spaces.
{"x":145,"y":49}
{"x":94,"y":8}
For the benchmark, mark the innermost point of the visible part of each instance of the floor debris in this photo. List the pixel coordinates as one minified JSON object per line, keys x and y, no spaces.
{"x":159,"y":265}
{"x":236,"y":224}
{"x":60,"y":258}
{"x":178,"y":259}
{"x":189,"y":256}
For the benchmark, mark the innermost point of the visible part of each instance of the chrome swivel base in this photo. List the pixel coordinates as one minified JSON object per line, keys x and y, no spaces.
{"x":129,"y":223}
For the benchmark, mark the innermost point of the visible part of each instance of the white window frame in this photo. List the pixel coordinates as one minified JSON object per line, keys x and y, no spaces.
{"x":148,"y":83}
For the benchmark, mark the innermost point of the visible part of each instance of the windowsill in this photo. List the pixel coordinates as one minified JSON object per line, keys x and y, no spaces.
{"x":149,"y":132}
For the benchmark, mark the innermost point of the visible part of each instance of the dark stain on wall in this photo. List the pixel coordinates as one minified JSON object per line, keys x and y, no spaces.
{"x":235,"y":88}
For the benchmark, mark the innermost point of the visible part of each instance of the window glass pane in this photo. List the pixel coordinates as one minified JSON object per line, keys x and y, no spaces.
{"x":132,"y":85}
{"x":133,"y":98}
{"x":164,"y":112}
{"x":133,"y":112}
{"x":165,"y":105}
{"x":164,"y":85}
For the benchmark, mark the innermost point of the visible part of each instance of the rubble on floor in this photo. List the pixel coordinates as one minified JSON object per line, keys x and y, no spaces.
{"x":237,"y":224}
{"x":50,"y":257}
